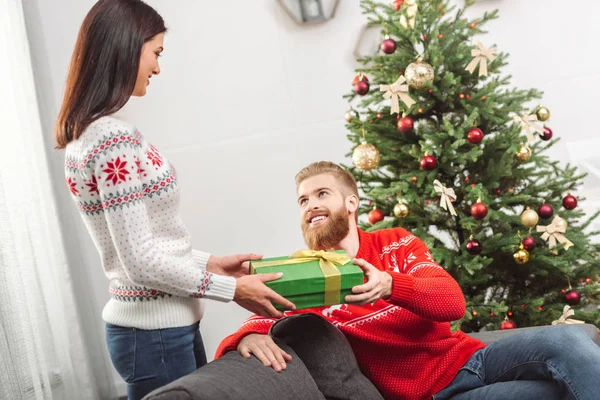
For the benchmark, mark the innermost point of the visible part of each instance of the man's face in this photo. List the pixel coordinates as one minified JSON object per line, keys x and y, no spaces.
{"x":324,"y":214}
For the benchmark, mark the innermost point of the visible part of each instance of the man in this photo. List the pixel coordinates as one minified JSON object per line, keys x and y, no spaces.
{"x":399,"y":321}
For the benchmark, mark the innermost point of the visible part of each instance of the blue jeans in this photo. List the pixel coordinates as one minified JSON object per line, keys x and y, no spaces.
{"x":149,"y":359}
{"x":560,"y":362}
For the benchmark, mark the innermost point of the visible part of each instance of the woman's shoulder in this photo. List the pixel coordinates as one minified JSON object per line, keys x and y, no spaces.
{"x":109,"y":129}
{"x":109,"y":126}
{"x":103,"y":137}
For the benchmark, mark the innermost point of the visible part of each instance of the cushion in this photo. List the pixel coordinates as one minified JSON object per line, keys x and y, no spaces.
{"x":327,"y":355}
{"x":233,"y":377}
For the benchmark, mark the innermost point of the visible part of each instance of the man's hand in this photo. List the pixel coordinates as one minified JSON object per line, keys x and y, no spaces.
{"x":378,"y":286}
{"x":252,"y":294}
{"x":236,"y":265}
{"x":264,"y":348}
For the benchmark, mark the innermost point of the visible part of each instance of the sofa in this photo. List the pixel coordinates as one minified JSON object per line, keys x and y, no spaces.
{"x":312,"y":374}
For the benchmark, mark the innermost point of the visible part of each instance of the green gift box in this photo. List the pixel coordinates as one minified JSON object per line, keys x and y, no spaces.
{"x":311,"y":278}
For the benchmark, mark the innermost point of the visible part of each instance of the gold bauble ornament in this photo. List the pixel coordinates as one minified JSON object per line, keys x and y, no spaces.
{"x":365,"y":156}
{"x":419,"y":74}
{"x":524,"y":153}
{"x":521,"y":256}
{"x":350,"y":115}
{"x":561,"y":223}
{"x":529,"y":218}
{"x":401,"y":210}
{"x":542,"y":113}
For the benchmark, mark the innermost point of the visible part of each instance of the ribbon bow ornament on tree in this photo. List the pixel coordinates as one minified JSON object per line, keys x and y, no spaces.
{"x":481,"y":55}
{"x":447,"y":195}
{"x":397,"y":91}
{"x":528,"y":124}
{"x":554,"y":232}
{"x":411,"y":8}
{"x":565,"y":318}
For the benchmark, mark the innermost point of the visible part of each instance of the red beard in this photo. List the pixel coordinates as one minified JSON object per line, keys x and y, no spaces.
{"x":328,"y":234}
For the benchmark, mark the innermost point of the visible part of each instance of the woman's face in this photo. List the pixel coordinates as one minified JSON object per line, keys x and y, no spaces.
{"x":148,"y":64}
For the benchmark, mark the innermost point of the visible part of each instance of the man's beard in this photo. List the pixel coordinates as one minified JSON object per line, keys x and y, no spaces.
{"x":328,"y":234}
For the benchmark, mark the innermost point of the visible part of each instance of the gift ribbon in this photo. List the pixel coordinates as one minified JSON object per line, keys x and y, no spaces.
{"x":397,"y":91}
{"x":447,"y":194}
{"x":411,"y":11}
{"x":565,"y":317}
{"x":328,"y":262}
{"x":528,"y":124}
{"x":481,"y":55}
{"x":553,"y":232}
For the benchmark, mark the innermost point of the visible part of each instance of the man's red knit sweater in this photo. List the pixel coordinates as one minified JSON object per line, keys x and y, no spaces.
{"x":404,"y":344}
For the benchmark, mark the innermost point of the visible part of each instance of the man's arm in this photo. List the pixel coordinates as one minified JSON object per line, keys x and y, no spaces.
{"x":422,"y":286}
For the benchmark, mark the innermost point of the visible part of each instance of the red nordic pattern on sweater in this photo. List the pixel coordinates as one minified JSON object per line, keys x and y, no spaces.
{"x":72,"y":186}
{"x":102,"y":146}
{"x":116,"y":171}
{"x":128,"y":196}
{"x":153,"y":156}
{"x":93,"y":186}
{"x":405,"y":344}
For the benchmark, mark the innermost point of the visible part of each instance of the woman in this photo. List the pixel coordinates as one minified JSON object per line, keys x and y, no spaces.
{"x":128,"y":196}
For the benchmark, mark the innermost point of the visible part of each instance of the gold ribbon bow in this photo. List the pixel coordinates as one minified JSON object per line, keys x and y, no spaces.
{"x":328,"y":262}
{"x":397,"y":91}
{"x":565,"y":318}
{"x":553,"y":232}
{"x":447,"y":194}
{"x":528,"y":123}
{"x":411,"y":11}
{"x":481,"y":55}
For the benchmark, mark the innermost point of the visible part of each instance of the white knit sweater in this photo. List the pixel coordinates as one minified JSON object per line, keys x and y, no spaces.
{"x":128,"y":196}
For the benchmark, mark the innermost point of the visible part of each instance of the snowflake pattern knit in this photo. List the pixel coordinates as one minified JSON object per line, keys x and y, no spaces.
{"x":128,"y":197}
{"x":404,"y":345}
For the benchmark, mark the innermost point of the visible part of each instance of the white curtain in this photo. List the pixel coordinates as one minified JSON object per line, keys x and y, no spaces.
{"x":42,"y":342}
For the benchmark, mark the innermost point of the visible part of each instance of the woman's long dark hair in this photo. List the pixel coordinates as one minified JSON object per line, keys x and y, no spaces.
{"x":105,"y":63}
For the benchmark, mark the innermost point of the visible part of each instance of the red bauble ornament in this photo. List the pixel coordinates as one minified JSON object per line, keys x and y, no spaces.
{"x":405,"y":124}
{"x":398,"y":4}
{"x":428,"y":163}
{"x":388,"y":46}
{"x":375,"y":215}
{"x":572,"y":297}
{"x":474,"y":247}
{"x":545,"y":211}
{"x":547,"y":135}
{"x":475,"y":135}
{"x":569,"y":202}
{"x":508,"y":324}
{"x":360,"y":77}
{"x":479,"y":210}
{"x":529,"y":243}
{"x":361,"y":88}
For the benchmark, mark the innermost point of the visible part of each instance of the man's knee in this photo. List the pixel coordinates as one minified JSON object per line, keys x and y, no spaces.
{"x":569,"y":335}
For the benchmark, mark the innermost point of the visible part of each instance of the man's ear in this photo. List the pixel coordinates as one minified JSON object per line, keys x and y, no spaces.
{"x":352,"y":203}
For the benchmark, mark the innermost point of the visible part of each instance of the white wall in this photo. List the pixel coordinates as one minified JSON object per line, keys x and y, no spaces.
{"x":246,"y":98}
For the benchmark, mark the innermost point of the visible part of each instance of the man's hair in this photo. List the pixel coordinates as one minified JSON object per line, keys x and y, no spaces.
{"x":326,"y":167}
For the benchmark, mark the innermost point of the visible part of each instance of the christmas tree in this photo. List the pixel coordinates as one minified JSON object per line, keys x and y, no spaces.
{"x":446,"y":148}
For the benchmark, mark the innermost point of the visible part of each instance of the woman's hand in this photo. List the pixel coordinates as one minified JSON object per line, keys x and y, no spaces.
{"x":252,"y":294}
{"x":236,"y":265}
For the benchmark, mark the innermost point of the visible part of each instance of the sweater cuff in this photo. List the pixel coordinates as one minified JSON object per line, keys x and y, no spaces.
{"x":221,"y":288}
{"x":200,"y":258}
{"x":403,"y":288}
